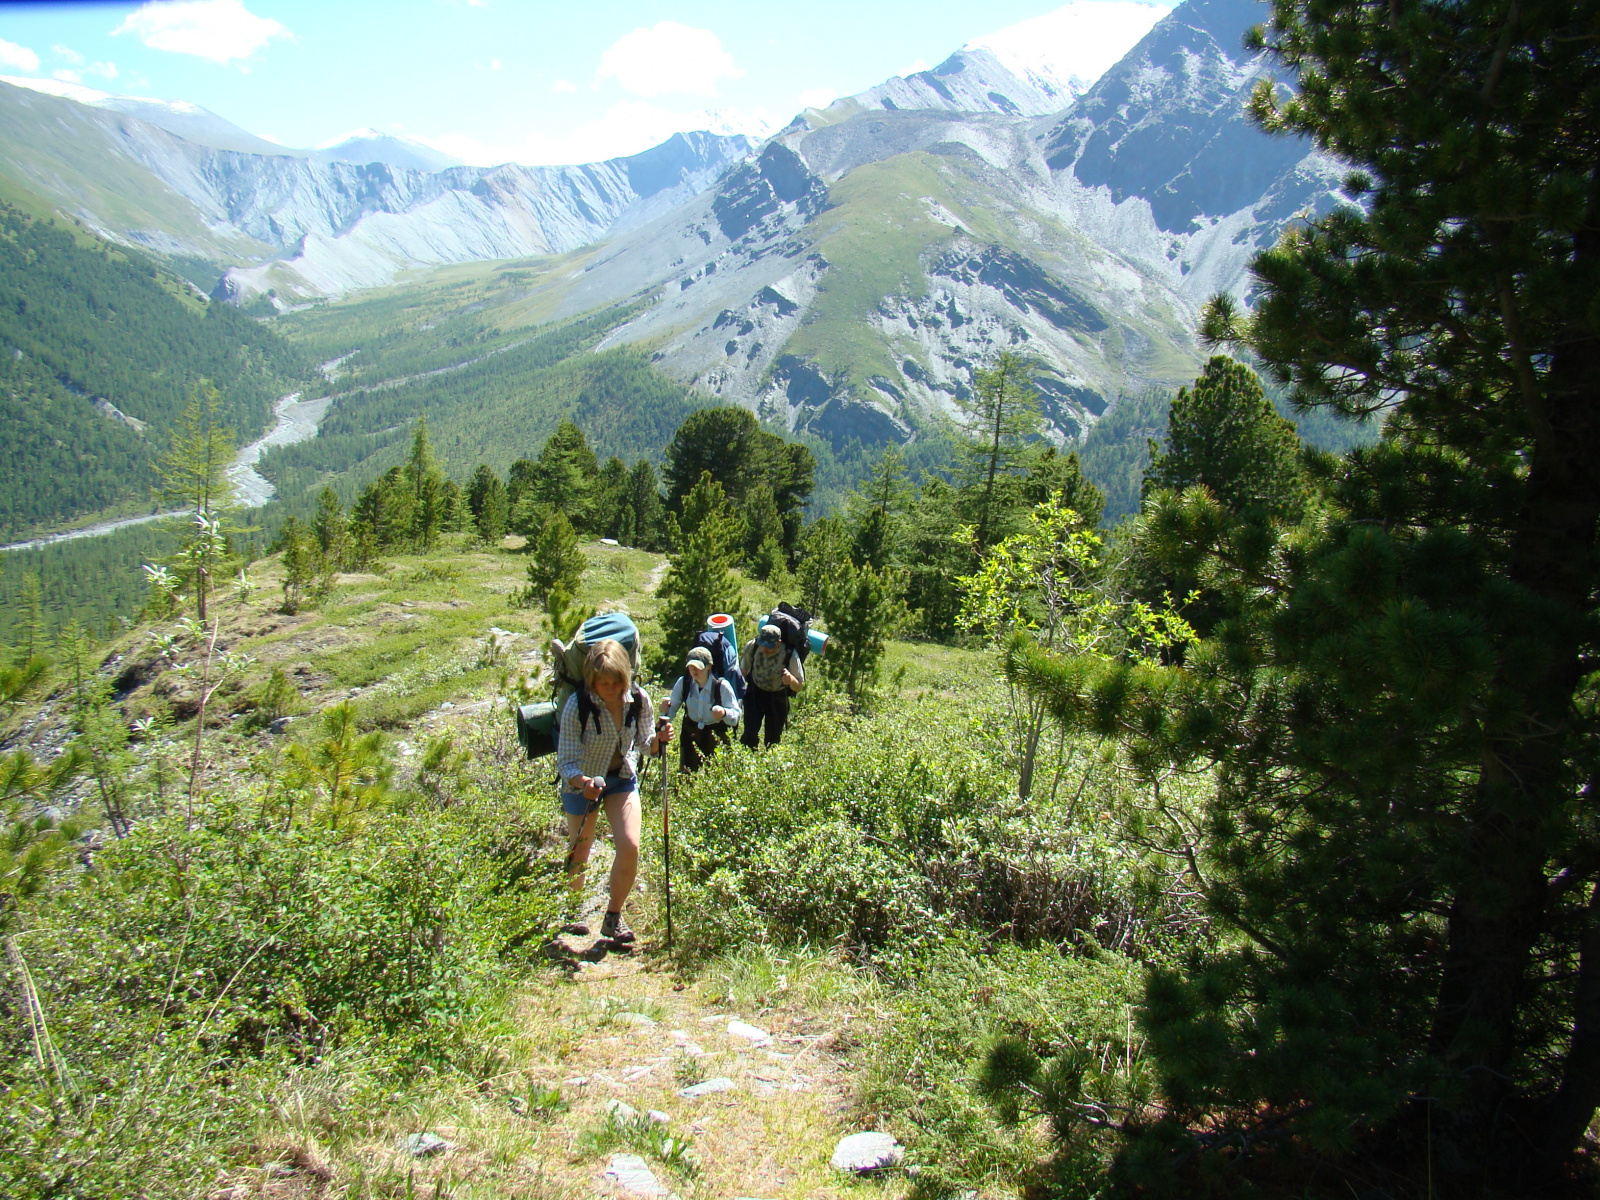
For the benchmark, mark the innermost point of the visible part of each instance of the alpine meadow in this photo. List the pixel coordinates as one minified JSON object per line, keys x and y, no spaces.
{"x":1031,"y":632}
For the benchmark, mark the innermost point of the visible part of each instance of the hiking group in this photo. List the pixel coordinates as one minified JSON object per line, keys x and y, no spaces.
{"x":601,"y":719}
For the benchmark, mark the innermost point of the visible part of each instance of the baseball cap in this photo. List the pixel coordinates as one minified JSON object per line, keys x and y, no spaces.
{"x":770,"y":635}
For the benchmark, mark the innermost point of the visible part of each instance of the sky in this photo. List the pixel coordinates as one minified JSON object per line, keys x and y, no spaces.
{"x":536,"y":81}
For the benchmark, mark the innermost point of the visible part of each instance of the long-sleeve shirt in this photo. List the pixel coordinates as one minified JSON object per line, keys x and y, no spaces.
{"x":591,"y":752}
{"x":697,"y":701}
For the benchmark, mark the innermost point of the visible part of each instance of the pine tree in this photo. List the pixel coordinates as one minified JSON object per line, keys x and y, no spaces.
{"x":332,"y":530}
{"x":1226,"y":435}
{"x":556,"y":560}
{"x":486,"y":498}
{"x":300,"y":564}
{"x":862,"y":609}
{"x":645,"y":514}
{"x":423,"y":484}
{"x":698,"y":581}
{"x":877,"y":512}
{"x":1398,"y":703}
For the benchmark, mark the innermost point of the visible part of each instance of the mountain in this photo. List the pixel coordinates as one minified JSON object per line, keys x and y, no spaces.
{"x":970,"y":80}
{"x":346,"y":226}
{"x":846,"y":280}
{"x":311,"y":224}
{"x":843,"y":280}
{"x":370,"y":146}
{"x":189,"y":121}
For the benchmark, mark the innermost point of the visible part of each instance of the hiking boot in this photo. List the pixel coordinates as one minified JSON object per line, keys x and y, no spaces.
{"x":614,"y":930}
{"x":576,"y":928}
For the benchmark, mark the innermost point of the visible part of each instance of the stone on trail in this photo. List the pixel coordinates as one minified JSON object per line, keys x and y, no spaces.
{"x":758,"y":1037}
{"x":864,"y":1152}
{"x":425,"y":1145}
{"x":633,"y":1018}
{"x":709,"y":1088}
{"x":622,"y":1113}
{"x":657,"y":1117}
{"x":628,"y":1171}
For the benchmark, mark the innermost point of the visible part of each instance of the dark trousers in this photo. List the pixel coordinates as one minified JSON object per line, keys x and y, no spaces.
{"x":697,"y":742}
{"x":761,"y":705}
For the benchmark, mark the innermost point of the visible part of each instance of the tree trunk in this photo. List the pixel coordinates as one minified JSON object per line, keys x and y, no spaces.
{"x":1500,"y":910}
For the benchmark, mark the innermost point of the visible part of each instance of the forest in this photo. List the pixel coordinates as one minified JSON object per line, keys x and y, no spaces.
{"x":85,"y":324}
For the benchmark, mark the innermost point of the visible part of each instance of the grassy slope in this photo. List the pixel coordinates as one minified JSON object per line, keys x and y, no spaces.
{"x":57,"y":151}
{"x":877,"y":235}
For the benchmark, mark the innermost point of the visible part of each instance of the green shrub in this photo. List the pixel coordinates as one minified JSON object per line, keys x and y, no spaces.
{"x":183,"y":974}
{"x":919,"y":1069}
{"x":885,"y":835}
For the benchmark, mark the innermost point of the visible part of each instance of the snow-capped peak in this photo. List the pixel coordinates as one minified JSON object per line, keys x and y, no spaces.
{"x":1068,"y":49}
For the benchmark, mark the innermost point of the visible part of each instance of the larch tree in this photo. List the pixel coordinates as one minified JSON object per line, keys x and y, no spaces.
{"x":193,"y":475}
{"x":1404,"y":840}
{"x":998,"y":421}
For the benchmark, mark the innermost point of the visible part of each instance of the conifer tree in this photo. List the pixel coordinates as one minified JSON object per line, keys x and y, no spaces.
{"x":877,"y":511}
{"x":486,"y":498}
{"x":862,"y":609}
{"x":300,"y":563}
{"x":698,"y":581}
{"x":332,"y":529}
{"x":556,"y":559}
{"x":1226,"y":435}
{"x":423,"y":484}
{"x":1399,"y":703}
{"x":997,"y":423}
{"x":193,"y":476}
{"x":642,"y":503}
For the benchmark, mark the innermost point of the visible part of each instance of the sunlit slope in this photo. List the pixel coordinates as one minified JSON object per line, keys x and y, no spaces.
{"x":58,"y":155}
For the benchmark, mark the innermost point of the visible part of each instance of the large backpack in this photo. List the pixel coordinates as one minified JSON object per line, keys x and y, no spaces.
{"x":537,"y":723}
{"x":794,"y":625}
{"x":723,"y":663}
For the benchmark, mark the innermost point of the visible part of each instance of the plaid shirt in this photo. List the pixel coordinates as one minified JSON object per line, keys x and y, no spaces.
{"x":590,"y":754}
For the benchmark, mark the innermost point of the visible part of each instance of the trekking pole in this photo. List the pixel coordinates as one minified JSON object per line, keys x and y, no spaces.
{"x":666,"y":838}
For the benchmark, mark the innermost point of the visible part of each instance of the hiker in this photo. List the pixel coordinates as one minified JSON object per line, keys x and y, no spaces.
{"x":603,"y":726}
{"x":710,"y":709}
{"x":772,"y":673}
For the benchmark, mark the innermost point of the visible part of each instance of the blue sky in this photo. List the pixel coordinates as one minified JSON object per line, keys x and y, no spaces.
{"x":535,"y":81}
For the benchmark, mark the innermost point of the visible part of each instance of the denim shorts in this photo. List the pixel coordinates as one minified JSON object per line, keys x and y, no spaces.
{"x":576,"y":804}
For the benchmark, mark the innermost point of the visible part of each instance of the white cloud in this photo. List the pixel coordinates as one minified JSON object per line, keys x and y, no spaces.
{"x":668,"y":59}
{"x":1080,"y":40}
{"x":561,"y":85}
{"x":627,"y":127}
{"x":914,"y":69}
{"x":494,"y":64}
{"x":68,"y":53}
{"x":219,"y":30}
{"x":67,"y":76}
{"x":817,"y":97}
{"x":18,"y":58}
{"x":106,"y":70}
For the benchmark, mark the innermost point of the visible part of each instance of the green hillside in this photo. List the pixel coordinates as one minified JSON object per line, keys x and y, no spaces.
{"x":58,"y":155}
{"x":81,"y":321}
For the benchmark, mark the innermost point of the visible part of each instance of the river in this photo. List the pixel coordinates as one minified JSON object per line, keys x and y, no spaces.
{"x":296,"y":420}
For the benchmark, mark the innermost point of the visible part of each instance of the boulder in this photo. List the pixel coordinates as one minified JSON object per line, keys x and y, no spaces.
{"x":629,"y":1172}
{"x":709,"y":1088}
{"x":866,"y":1152}
{"x":425,"y":1145}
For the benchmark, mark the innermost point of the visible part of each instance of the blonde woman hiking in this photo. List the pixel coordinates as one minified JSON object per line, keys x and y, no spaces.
{"x":603,"y":727}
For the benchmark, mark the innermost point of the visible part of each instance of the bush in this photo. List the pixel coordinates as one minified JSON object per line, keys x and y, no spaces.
{"x":192,"y":965}
{"x":885,"y":835}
